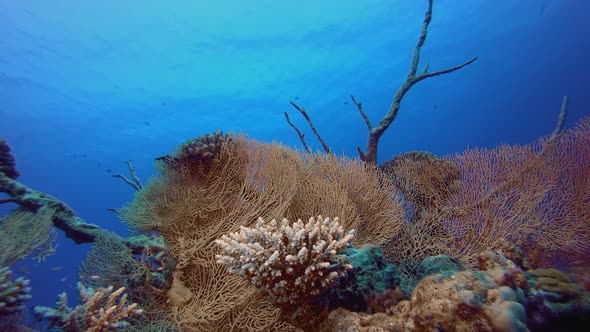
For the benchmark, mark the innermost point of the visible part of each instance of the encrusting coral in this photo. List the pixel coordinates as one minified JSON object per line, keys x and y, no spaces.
{"x":102,"y":309}
{"x":501,"y":296}
{"x":13,"y":293}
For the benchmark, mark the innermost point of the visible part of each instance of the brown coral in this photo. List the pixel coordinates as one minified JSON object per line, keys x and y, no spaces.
{"x":423,"y":179}
{"x":488,"y":300}
{"x":536,"y":196}
{"x":191,"y":206}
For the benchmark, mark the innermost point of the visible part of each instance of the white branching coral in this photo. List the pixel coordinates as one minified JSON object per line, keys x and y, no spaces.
{"x":102,"y":309}
{"x":13,"y":293}
{"x":287,"y":263}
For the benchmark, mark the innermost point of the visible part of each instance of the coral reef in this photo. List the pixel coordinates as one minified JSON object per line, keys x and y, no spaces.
{"x":534,"y":195}
{"x":13,"y":293}
{"x":292,"y":264}
{"x":192,"y":203}
{"x":500,"y":296}
{"x":146,"y":276}
{"x":102,"y":309}
{"x":418,"y":260}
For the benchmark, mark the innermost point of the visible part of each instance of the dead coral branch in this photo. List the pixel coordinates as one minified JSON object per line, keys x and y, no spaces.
{"x":136,"y":183}
{"x":375,"y":133}
{"x":306,"y":116}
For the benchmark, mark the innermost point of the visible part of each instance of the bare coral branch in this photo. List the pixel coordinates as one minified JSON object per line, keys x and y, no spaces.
{"x":375,"y":133}
{"x":560,"y":121}
{"x":306,"y":116}
{"x":136,"y":183}
{"x":301,"y":136}
{"x":359,"y":106}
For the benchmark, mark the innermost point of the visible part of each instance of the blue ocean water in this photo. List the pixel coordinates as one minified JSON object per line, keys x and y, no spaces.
{"x":86,"y":86}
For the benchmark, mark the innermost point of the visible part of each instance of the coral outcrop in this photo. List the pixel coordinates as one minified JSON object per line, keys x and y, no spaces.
{"x":499,"y":296}
{"x":193,"y":202}
{"x":205,"y":147}
{"x":25,"y":233}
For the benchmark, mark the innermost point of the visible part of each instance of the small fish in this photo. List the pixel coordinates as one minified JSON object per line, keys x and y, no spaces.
{"x":94,"y":277}
{"x":64,"y":279}
{"x":108,"y":170}
{"x":56,"y":268}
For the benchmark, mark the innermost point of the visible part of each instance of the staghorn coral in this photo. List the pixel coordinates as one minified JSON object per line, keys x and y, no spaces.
{"x":13,"y":293}
{"x":102,"y":309}
{"x":287,"y":262}
{"x":290,"y":264}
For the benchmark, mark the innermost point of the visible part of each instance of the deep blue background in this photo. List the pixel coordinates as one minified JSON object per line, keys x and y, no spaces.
{"x":85,"y":86}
